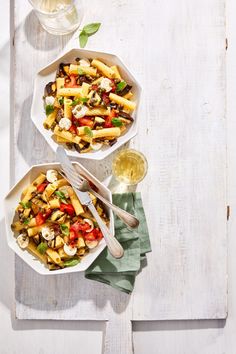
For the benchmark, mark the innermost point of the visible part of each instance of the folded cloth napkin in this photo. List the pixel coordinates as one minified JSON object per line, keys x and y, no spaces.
{"x":121,"y":273}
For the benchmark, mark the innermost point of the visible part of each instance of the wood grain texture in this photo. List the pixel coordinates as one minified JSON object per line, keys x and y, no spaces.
{"x":177,"y":51}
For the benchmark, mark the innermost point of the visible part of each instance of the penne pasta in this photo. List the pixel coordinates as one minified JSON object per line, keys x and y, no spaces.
{"x":122,"y":101}
{"x":128,"y":95}
{"x":67,"y":108}
{"x":50,"y":119}
{"x":54,"y":203}
{"x":76,"y":204}
{"x":54,"y":255}
{"x":32,"y":231}
{"x":116,"y":71}
{"x":67,"y":135}
{"x":70,"y":91}
{"x":106,"y":70}
{"x":98,"y":112}
{"x":106,"y":132}
{"x":60,"y":83}
{"x":82,"y":70}
{"x":32,"y":248}
{"x":85,"y":88}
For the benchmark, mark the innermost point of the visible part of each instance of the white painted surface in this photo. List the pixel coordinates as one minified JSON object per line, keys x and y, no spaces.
{"x":182,"y":131}
{"x":210,"y":337}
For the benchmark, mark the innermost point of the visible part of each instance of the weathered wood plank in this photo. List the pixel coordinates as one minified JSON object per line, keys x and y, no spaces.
{"x":176,"y":50}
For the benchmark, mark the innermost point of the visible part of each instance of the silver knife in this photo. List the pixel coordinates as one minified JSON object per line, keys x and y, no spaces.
{"x":113,"y":244}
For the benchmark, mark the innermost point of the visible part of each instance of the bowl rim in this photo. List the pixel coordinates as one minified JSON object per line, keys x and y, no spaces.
{"x":10,"y":234}
{"x":101,"y":154}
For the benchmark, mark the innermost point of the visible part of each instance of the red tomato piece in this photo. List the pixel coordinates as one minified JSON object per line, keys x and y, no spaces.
{"x":47,"y":214}
{"x":72,"y":82}
{"x":41,"y":187}
{"x":73,"y":129}
{"x":90,"y":236}
{"x":105,"y":98}
{"x":98,"y":234}
{"x":113,"y":86}
{"x":40,"y":219}
{"x":94,"y":87}
{"x":72,"y":235}
{"x":85,"y":121}
{"x":67,"y":208}
{"x":108,"y":121}
{"x":79,"y":226}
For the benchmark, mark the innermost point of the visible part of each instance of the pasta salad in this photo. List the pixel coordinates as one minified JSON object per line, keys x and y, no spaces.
{"x":53,"y":225}
{"x":88,"y":106}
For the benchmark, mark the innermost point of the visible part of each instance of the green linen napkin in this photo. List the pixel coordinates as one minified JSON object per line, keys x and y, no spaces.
{"x":121,"y":273}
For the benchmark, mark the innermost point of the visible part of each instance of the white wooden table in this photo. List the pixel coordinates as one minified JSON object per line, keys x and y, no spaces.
{"x":204,"y":336}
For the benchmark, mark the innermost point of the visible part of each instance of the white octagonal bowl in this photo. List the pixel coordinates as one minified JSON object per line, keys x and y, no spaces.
{"x":48,"y":74}
{"x":11,"y":202}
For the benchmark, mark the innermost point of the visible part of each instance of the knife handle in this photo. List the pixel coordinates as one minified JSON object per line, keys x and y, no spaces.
{"x":113,"y":245}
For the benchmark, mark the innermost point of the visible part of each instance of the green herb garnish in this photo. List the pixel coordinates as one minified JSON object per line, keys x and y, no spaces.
{"x":26,"y":205}
{"x":120,"y":86}
{"x":116,"y":122}
{"x":84,"y":99}
{"x":49,"y":109}
{"x":75,"y":102}
{"x":71,"y":262}
{"x":61,"y":100}
{"x":61,"y":196}
{"x":80,"y":71}
{"x":88,"y":132}
{"x":78,"y":100}
{"x":64,"y":229}
{"x":42,"y":247}
{"x":26,"y":221}
{"x":88,"y":31}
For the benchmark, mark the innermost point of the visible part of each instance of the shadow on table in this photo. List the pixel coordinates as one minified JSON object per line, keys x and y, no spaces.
{"x":39,"y":38}
{"x":31,"y":144}
{"x":176,"y":325}
{"x":6,"y":269}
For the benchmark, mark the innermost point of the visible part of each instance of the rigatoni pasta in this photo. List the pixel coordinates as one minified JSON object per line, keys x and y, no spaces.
{"x":88,"y":95}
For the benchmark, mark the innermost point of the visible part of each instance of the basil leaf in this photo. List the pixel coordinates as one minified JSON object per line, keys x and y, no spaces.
{"x":78,"y":100}
{"x":26,"y":221}
{"x":71,"y":262}
{"x":116,"y":122}
{"x":88,"y":132}
{"x":120,"y":86}
{"x":61,"y":196}
{"x":91,"y":28}
{"x":83,"y":39}
{"x":80,"y":71}
{"x":75,"y":102}
{"x":49,"y":109}
{"x":42,"y":247}
{"x":26,"y":205}
{"x":61,"y":100}
{"x":64,"y":229}
{"x":84,"y":99}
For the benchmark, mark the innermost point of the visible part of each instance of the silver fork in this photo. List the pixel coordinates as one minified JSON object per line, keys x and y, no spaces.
{"x":83,"y":185}
{"x":113,"y":244}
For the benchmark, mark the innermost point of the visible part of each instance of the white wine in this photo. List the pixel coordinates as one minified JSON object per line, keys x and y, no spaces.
{"x":129,"y":166}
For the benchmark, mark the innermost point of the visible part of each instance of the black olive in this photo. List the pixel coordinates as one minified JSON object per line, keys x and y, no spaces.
{"x":50,"y":89}
{"x":77,"y":147}
{"x":126,"y":115}
{"x":112,"y":142}
{"x":125,"y":90}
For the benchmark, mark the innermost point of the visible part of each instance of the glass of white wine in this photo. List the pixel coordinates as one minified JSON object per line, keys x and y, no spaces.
{"x":129,"y":166}
{"x":58,"y":16}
